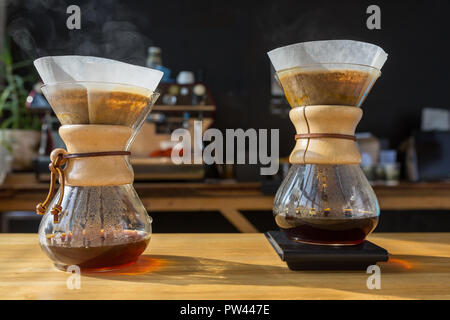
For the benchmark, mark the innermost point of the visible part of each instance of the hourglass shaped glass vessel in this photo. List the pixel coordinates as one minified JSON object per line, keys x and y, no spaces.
{"x":95,"y":220}
{"x":325,"y":198}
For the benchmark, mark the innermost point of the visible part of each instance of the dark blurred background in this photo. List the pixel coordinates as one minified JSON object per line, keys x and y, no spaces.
{"x":228,"y":40}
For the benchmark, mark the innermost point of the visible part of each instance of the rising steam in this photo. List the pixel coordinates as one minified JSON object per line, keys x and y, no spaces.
{"x":107,"y":30}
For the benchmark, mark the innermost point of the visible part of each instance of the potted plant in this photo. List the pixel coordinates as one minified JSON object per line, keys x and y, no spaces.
{"x":19,"y":128}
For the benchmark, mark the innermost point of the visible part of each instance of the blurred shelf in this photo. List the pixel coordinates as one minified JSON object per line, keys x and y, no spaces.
{"x":183,"y":108}
{"x":414,"y":196}
{"x":21,"y":192}
{"x":414,"y":185}
{"x":27,"y":182}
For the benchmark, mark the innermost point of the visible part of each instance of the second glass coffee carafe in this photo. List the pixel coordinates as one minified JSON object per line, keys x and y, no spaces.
{"x":325,"y":198}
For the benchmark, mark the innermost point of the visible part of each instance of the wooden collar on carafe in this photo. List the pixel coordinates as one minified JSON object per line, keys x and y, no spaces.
{"x":325,"y":134}
{"x":310,"y":135}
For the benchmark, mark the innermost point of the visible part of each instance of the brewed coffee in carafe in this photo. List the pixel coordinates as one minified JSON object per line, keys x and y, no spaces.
{"x":95,"y":220}
{"x":325,"y":198}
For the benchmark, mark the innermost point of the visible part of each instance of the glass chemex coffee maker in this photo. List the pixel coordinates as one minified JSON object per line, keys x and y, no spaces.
{"x":95,"y":220}
{"x":325,"y":198}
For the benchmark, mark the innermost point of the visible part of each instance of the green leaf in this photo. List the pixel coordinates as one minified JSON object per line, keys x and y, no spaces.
{"x":19,"y":81}
{"x":4,"y":96}
{"x":8,"y":106}
{"x":7,"y":123}
{"x":22,"y":64}
{"x":14,"y":92}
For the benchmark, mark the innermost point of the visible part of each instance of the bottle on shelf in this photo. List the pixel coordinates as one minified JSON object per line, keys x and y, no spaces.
{"x":172,"y":96}
{"x":154,"y":61}
{"x":199,"y":95}
{"x":185,"y":80}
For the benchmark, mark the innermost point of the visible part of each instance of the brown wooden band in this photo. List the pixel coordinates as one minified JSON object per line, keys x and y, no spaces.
{"x":325,"y":135}
{"x":96,"y":154}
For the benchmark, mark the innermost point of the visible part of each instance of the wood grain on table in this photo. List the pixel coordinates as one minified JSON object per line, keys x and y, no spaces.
{"x":229,"y":266}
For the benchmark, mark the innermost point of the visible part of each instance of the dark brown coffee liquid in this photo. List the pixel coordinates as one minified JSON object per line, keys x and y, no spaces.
{"x":104,"y":256}
{"x":327,"y":231}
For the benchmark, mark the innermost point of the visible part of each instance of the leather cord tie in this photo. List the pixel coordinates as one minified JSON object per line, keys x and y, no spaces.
{"x":325,"y":135}
{"x":56,"y":171}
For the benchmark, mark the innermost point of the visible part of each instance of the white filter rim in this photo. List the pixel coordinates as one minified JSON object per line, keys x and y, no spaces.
{"x":327,"y":51}
{"x":73,"y":68}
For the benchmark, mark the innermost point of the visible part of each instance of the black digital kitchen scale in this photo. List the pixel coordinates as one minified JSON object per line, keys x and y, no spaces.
{"x":301,"y":256}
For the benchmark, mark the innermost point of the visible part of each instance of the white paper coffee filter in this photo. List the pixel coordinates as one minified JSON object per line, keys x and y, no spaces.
{"x":57,"y":69}
{"x":330,"y":51}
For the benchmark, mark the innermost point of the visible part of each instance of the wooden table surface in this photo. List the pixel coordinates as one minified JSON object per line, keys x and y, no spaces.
{"x":229,"y":266}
